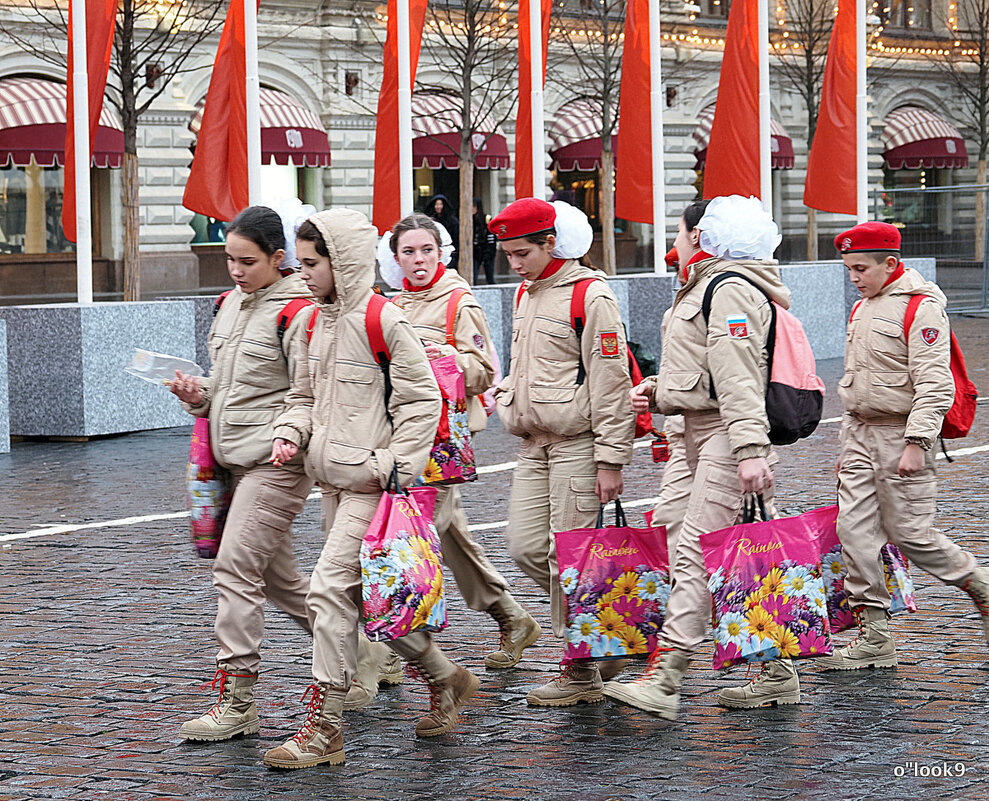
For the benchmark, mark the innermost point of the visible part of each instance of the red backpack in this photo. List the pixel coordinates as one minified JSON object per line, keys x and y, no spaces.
{"x":292,"y":308}
{"x":643,"y":422}
{"x":958,"y":421}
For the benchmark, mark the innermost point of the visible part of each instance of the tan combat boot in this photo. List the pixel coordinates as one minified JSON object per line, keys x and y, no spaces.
{"x":234,"y":711}
{"x":610,"y":668}
{"x":391,"y":672}
{"x":450,"y":686}
{"x":518,"y":629}
{"x":872,"y":648}
{"x":777,"y":683}
{"x":658,"y":689}
{"x":371,"y":657}
{"x":978,"y":588}
{"x":320,"y":739}
{"x":578,"y":682}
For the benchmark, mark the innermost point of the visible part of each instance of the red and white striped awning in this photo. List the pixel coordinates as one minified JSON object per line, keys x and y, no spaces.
{"x":781,"y":144}
{"x":575,"y":137}
{"x":436,"y":121}
{"x":289,"y":131}
{"x":915,"y":139}
{"x":32,"y":126}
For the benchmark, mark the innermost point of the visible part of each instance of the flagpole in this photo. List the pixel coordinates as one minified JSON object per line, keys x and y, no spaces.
{"x":656,"y":100}
{"x":536,"y":73}
{"x":80,"y":156}
{"x":765,"y":134}
{"x":861,"y":103}
{"x":404,"y":108}
{"x":253,"y":98}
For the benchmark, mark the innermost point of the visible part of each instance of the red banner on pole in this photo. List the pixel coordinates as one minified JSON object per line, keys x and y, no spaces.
{"x":831,"y":165}
{"x":633,"y":187}
{"x":218,"y":181}
{"x":732,"y":166}
{"x":523,"y":119}
{"x":100,"y":18}
{"x":387,"y":200}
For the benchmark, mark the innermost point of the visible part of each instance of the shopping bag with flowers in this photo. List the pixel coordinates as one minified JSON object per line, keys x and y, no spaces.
{"x":451,"y":460}
{"x":209,"y":488}
{"x":766,"y":586}
{"x":615,"y":583}
{"x":401,"y":573}
{"x":896,"y":569}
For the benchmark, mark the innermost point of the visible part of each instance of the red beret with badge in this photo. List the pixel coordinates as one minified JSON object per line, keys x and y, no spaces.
{"x":868,"y":236}
{"x":525,"y":217}
{"x":672,"y":258}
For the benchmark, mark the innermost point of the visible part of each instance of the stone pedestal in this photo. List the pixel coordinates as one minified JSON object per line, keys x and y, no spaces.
{"x":66,"y":366}
{"x":4,"y":397}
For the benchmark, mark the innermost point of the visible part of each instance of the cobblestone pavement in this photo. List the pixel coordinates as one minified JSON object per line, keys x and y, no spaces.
{"x":106,"y":639}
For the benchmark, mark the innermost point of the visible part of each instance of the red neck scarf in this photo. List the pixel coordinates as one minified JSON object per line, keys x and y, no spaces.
{"x":440,"y":269}
{"x":551,"y":269}
{"x":897,"y":273}
{"x":699,"y":256}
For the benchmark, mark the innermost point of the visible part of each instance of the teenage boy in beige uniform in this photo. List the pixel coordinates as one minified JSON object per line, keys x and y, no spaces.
{"x":726,"y":439}
{"x":896,"y":392}
{"x":576,"y":430}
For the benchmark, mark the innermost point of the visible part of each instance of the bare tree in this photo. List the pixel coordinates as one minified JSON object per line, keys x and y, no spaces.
{"x":152,"y":42}
{"x":800,"y":59}
{"x":472,"y":45}
{"x":967,"y":68}
{"x":590,"y":31}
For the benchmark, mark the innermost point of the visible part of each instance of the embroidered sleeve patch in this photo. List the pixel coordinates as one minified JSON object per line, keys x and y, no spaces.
{"x":738,"y":326}
{"x":930,"y":335}
{"x":479,"y":341}
{"x":609,"y":344}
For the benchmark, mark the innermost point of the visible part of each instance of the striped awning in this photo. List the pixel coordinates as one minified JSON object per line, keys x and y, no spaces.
{"x":575,"y":137}
{"x":780,"y":144}
{"x":32,"y":126}
{"x":289,"y":131}
{"x":915,"y":139}
{"x":436,"y":121}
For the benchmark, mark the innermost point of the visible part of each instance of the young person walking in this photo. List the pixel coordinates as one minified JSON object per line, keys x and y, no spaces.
{"x":566,"y":396}
{"x":355,"y":433}
{"x":896,"y":390}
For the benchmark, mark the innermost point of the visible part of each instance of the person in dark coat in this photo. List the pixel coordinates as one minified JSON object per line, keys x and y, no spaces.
{"x":484,"y":245}
{"x":441,"y":210}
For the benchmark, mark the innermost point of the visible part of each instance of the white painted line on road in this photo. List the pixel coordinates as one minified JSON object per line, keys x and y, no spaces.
{"x":52,"y":530}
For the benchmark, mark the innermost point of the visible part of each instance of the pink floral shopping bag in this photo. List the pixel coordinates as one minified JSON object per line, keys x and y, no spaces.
{"x":401,"y":573}
{"x":615,"y":583}
{"x":896,"y":570}
{"x":451,"y":460}
{"x":209,"y":488}
{"x":768,"y":595}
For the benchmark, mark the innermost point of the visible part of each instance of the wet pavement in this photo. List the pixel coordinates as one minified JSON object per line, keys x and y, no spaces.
{"x":106,"y":642}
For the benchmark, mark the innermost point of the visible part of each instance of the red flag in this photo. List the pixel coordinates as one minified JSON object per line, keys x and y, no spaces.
{"x":387,"y":208}
{"x":732,"y":166}
{"x":100,"y":18}
{"x":218,"y":181}
{"x":523,"y":120}
{"x":633,"y":189}
{"x":831,"y":165}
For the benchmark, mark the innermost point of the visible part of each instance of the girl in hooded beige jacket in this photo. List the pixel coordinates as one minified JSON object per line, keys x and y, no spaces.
{"x":429,"y":292}
{"x":337,"y":410}
{"x":252,"y":369}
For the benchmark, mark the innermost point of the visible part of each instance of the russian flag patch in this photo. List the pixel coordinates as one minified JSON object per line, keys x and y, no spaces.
{"x":738,"y":326}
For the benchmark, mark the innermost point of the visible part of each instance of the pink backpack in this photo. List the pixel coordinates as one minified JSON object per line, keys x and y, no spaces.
{"x":795,"y":394}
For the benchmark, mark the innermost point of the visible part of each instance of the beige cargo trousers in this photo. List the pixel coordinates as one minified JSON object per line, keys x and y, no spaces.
{"x":876,"y":505}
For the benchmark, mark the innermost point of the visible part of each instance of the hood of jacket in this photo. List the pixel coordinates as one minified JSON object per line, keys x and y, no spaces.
{"x":351,"y":241}
{"x":913,"y":283}
{"x":765,"y":273}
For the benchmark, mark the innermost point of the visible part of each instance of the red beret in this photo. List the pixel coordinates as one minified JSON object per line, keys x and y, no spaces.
{"x":672,"y":258}
{"x":524,"y":217}
{"x":868,"y":236}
